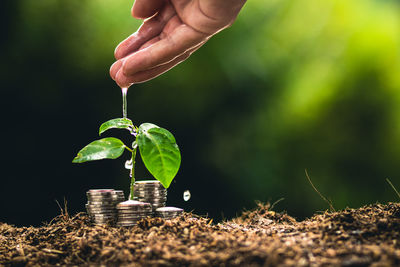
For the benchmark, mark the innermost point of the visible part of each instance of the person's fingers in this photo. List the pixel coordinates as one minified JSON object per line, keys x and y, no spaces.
{"x":142,"y":9}
{"x":146,"y":75}
{"x":149,"y":29}
{"x":167,"y":49}
{"x":118,"y":64}
{"x":115,"y":68}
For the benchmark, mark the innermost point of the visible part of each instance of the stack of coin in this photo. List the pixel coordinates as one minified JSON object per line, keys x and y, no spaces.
{"x":150,"y":191}
{"x":101,"y":205}
{"x":132,"y":211}
{"x":168,"y":212}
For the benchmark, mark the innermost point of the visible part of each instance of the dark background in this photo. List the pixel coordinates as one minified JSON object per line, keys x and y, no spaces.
{"x":293,"y":85}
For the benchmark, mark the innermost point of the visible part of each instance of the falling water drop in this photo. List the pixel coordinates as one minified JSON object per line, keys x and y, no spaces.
{"x":129,"y":164}
{"x":186,"y":195}
{"x":124,"y":102}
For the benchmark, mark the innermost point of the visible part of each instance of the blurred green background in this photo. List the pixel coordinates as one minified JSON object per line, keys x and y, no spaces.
{"x":292,"y":85}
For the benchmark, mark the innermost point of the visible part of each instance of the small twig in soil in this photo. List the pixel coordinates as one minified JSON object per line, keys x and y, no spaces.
{"x":276,"y":202}
{"x":54,"y":251}
{"x":394,"y":188}
{"x":316,"y":190}
{"x":64,"y":212}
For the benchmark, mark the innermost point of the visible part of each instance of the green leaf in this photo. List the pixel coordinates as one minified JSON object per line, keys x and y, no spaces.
{"x":120,"y":123}
{"x":106,"y":148}
{"x":159,"y":152}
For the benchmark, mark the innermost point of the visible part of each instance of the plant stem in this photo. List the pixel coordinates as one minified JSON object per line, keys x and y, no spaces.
{"x":132,"y":174}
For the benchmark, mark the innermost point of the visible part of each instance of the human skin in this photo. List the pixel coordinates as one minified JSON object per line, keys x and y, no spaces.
{"x":171,"y":31}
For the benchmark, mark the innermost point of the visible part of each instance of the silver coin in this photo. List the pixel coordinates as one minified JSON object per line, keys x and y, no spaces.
{"x":134,"y":211}
{"x":141,"y":209}
{"x":158,"y":205}
{"x":149,"y":193}
{"x":100,"y":196}
{"x":102,"y":217}
{"x":127,"y":220}
{"x":153,"y":199}
{"x":149,"y":188}
{"x":100,"y":204}
{"x":127,"y":214}
{"x":130,"y":219}
{"x":100,"y":199}
{"x":158,"y":197}
{"x":168,"y":216}
{"x":147,"y":182}
{"x":167,"y":212}
{"x":107,"y":195}
{"x":155,"y":202}
{"x":118,"y":198}
{"x":104,"y":222}
{"x":132,"y":204}
{"x":169,"y":209}
{"x":150,"y":198}
{"x":144,"y":194}
{"x":134,"y":215}
{"x":155,"y":206}
{"x":99,"y":191}
{"x":108,"y":206}
{"x":173,"y":215}
{"x":101,"y":210}
{"x":141,"y":198}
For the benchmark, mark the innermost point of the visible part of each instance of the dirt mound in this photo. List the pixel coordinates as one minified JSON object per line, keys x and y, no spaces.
{"x":368,"y":236}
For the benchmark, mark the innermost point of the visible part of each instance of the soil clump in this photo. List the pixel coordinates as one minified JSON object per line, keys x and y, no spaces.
{"x":368,"y":236}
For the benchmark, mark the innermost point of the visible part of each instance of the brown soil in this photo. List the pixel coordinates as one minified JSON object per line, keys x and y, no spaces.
{"x":368,"y":236}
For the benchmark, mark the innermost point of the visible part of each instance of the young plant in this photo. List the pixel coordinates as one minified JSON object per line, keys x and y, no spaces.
{"x":157,"y":147}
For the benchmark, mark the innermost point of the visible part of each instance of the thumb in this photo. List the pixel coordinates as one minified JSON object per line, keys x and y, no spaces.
{"x":143,"y":9}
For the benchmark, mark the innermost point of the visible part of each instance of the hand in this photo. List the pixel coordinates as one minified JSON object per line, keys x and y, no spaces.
{"x":172,"y":30}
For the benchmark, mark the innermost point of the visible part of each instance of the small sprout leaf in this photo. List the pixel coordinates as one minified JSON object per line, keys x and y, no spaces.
{"x":159,"y":152}
{"x":106,"y":148}
{"x":120,"y":123}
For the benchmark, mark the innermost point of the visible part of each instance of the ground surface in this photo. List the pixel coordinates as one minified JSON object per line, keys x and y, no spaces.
{"x":369,"y":236}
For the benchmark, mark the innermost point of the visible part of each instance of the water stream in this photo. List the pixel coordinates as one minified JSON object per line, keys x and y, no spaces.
{"x":124,"y":102}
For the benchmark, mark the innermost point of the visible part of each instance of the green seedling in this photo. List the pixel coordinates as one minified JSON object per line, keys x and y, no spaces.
{"x":157,"y":147}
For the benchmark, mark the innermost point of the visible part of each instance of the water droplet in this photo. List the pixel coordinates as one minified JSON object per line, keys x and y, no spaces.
{"x":186,"y":195}
{"x":129,"y":164}
{"x":134,"y":145}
